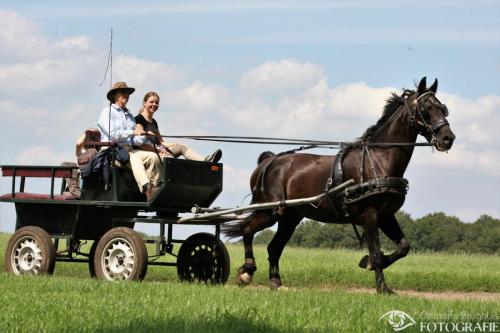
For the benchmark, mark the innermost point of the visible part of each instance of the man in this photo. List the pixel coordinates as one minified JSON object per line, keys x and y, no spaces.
{"x":117,"y":124}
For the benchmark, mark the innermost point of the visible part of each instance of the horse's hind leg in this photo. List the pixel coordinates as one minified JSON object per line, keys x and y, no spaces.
{"x":259,"y":221}
{"x":376,"y":257}
{"x":286,"y":226}
{"x":390,"y":227}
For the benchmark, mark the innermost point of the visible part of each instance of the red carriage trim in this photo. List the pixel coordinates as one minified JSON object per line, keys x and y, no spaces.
{"x":45,"y":172}
{"x":37,"y":196}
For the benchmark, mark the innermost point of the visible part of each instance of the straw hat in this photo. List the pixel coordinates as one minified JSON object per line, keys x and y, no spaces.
{"x":119,"y":86}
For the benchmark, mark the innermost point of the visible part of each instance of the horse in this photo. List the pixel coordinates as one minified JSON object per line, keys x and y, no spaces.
{"x":376,"y":162}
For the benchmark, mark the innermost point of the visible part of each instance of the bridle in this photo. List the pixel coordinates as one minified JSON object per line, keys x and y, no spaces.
{"x":430,"y":128}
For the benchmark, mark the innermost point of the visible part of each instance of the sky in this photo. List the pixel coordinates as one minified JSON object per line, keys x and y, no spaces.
{"x":294,"y":69}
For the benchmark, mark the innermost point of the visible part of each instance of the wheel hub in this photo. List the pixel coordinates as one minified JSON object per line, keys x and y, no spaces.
{"x":118,"y":260}
{"x":27,"y":256}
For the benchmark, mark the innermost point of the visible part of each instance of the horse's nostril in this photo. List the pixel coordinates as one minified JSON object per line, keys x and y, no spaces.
{"x":448,"y":140}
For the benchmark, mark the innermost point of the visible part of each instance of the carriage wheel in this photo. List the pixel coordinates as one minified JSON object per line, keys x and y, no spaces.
{"x":30,"y":251}
{"x":92,"y":258}
{"x":203,"y":258}
{"x":121,"y":255}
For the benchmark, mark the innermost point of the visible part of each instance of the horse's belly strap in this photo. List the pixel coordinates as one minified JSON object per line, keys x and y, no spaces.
{"x":376,"y":186}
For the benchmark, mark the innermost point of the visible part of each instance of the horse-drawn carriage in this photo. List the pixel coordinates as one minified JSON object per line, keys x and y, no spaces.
{"x":363,"y":185}
{"x":106,"y":217}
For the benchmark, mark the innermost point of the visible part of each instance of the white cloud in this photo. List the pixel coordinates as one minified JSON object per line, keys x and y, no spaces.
{"x":461,"y":157}
{"x":22,"y":42}
{"x":358,"y":100}
{"x":19,"y":38}
{"x":237,"y":180}
{"x":279,"y":76}
{"x":318,"y":110}
{"x":198,"y":96}
{"x":145,"y":75}
{"x":47,"y":75}
{"x":476,"y":121}
{"x":82,"y":43}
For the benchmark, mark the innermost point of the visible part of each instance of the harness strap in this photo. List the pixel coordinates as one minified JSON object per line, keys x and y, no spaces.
{"x":262,"y":174}
{"x":271,"y":159}
{"x":338,"y":177}
{"x":362,"y":167}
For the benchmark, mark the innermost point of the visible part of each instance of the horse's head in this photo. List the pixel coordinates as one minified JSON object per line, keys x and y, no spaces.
{"x":429,"y":115}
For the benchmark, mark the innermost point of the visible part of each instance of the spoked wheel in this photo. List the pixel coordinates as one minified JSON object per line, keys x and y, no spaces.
{"x":121,"y":255}
{"x":30,"y":251}
{"x":203,"y":258}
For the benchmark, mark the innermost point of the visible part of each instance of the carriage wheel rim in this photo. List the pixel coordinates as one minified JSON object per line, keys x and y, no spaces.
{"x":203,"y":263}
{"x":26,"y":256}
{"x":118,"y":260}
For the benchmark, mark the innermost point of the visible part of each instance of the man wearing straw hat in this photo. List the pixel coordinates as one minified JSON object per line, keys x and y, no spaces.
{"x":117,"y":124}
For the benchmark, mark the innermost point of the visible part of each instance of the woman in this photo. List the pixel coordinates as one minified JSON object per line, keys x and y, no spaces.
{"x":146,"y":123}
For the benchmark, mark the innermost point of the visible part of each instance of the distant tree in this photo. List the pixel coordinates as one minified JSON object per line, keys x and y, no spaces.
{"x":264,"y":237}
{"x":433,"y":232}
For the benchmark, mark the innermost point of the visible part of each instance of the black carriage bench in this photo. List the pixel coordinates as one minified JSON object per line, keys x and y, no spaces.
{"x":107,"y":216}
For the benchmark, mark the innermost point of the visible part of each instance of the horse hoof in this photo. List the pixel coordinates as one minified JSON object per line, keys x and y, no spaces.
{"x":274,"y":284}
{"x":366,"y":263}
{"x":244,"y":279}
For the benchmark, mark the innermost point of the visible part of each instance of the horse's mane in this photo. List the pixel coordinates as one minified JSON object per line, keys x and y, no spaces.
{"x":392,"y":104}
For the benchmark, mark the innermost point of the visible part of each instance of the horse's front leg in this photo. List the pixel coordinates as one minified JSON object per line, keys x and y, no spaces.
{"x":286,"y":226}
{"x":370,"y":224}
{"x":390,"y":227}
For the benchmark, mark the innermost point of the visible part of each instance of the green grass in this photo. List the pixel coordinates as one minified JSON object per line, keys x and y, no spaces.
{"x":308,"y":268}
{"x":61,"y":304}
{"x":318,"y":301}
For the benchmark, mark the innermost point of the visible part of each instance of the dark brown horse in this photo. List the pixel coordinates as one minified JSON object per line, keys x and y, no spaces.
{"x":376,"y":163}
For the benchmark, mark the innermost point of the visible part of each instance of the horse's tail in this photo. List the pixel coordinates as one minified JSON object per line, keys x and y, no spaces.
{"x":236,"y":229}
{"x":264,"y":155}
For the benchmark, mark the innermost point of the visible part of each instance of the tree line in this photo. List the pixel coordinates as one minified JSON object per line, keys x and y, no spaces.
{"x":433,"y":232}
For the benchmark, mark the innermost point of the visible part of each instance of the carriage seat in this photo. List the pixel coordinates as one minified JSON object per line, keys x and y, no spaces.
{"x":24,"y":172}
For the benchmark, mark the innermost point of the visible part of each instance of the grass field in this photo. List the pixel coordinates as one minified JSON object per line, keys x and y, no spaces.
{"x":320,"y":298}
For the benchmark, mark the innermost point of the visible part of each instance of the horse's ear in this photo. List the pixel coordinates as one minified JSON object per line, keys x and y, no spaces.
{"x":434,"y":86}
{"x":422,"y":85}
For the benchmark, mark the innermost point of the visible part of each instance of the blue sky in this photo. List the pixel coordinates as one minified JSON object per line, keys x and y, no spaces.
{"x":306,"y":69}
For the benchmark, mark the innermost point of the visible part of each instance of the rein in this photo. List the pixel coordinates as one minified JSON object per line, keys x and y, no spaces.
{"x":294,"y":142}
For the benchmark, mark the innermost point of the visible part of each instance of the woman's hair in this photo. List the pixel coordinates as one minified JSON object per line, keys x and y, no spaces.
{"x":146,"y":97}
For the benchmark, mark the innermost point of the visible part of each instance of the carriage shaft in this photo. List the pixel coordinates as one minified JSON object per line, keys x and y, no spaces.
{"x":267,"y":205}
